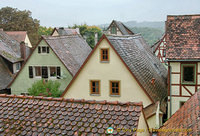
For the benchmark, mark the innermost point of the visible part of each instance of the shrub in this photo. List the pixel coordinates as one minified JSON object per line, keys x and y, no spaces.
{"x":47,"y":89}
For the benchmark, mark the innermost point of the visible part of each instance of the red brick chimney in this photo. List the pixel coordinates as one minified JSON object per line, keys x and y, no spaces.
{"x":23,"y":50}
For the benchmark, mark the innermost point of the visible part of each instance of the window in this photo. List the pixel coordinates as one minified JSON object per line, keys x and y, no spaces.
{"x":113,"y":30}
{"x":94,"y":87}
{"x":44,"y":72}
{"x":181,"y":104}
{"x":38,"y":71}
{"x":18,"y":66}
{"x":164,"y":52}
{"x":53,"y":71}
{"x":104,"y":54}
{"x":43,"y":49}
{"x":114,"y":87}
{"x":188,"y":73}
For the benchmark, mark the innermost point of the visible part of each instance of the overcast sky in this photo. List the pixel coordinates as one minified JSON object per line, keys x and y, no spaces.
{"x":95,"y":12}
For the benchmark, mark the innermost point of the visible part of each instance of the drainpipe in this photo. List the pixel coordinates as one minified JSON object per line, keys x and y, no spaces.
{"x":170,"y":102}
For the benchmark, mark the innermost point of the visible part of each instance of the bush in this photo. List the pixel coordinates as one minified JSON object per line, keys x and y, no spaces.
{"x":47,"y":89}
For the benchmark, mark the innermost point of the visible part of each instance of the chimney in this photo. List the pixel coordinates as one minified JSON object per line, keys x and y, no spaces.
{"x":23,"y":50}
{"x":95,"y":38}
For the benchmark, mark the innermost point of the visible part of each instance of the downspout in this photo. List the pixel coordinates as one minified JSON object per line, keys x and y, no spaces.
{"x":170,"y":102}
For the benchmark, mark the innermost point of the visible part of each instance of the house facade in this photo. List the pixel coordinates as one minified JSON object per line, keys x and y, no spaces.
{"x":118,"y":28}
{"x":54,"y":58}
{"x":182,"y":38}
{"x":20,"y":36}
{"x":159,"y":49}
{"x":114,"y":71}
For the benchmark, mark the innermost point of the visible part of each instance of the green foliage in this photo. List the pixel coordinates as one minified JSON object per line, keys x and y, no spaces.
{"x":151,"y":35}
{"x":12,"y":19}
{"x":44,"y":30}
{"x":47,"y":89}
{"x":88,"y":32}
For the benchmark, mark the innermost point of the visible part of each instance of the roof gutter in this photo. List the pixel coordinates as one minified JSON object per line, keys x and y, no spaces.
{"x":189,"y":60}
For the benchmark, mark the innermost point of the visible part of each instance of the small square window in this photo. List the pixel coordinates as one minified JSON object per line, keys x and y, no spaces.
{"x":94,"y":87}
{"x":114,"y":87}
{"x":104,"y":54}
{"x":44,"y":49}
{"x":188,"y":73}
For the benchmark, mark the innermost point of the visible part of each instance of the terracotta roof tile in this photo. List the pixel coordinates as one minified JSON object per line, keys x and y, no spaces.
{"x":182,"y":37}
{"x":22,"y":115}
{"x":187,"y":117}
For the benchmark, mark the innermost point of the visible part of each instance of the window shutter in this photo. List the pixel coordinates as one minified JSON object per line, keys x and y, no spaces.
{"x":58,"y":72}
{"x":30,"y":72}
{"x":39,"y":49}
{"x":47,"y":49}
{"x":44,"y":72}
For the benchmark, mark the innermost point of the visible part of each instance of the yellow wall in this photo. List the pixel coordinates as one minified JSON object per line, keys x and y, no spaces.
{"x":55,"y":33}
{"x":114,"y":70}
{"x":143,"y":126}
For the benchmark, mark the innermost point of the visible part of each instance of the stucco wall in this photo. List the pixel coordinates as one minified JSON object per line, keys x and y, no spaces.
{"x":114,"y":70}
{"x":55,"y":33}
{"x":23,"y":82}
{"x":27,"y":41}
{"x":143,"y":126}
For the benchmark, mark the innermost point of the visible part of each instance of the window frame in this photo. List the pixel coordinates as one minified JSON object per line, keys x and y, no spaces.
{"x":40,"y":72}
{"x":113,"y":30}
{"x":55,"y":71}
{"x":182,"y":74}
{"x":101,"y":55}
{"x":91,"y":87}
{"x":119,"y":87}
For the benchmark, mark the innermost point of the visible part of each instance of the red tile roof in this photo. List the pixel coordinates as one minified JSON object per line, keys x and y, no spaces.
{"x":17,"y":35}
{"x":186,"y":118}
{"x":183,"y":37}
{"x":28,"y":115}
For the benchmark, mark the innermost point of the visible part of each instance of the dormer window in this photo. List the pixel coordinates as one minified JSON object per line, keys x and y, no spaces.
{"x":104,"y":55}
{"x":113,"y":30}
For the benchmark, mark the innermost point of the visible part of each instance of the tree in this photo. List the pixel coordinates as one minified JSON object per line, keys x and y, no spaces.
{"x":44,"y":30}
{"x":12,"y":19}
{"x":47,"y":89}
{"x":88,"y":32}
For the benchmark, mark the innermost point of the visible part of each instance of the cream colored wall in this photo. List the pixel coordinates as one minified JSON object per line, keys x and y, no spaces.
{"x":114,"y":70}
{"x":175,"y":66}
{"x":27,"y":41}
{"x":55,"y":33}
{"x":143,"y":126}
{"x":152,"y":121}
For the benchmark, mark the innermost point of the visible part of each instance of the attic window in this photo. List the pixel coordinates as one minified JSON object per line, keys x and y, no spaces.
{"x":113,"y":30}
{"x":94,"y":87}
{"x":104,"y":54}
{"x":43,"y":49}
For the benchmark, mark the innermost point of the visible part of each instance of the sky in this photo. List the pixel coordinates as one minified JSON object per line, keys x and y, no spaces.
{"x":57,"y":13}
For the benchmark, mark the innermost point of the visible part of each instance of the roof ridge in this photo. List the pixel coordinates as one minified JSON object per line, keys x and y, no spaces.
{"x":138,"y":35}
{"x":60,"y":36}
{"x":103,"y":102}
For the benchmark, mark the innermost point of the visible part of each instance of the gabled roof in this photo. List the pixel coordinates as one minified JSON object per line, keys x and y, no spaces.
{"x":65,"y":31}
{"x":72,"y":50}
{"x":6,"y":77}
{"x":17,"y":35}
{"x":28,"y":115}
{"x":155,"y":46}
{"x":186,"y":118}
{"x":123,"y":29}
{"x":183,"y":37}
{"x":9,"y":48}
{"x":140,"y":61}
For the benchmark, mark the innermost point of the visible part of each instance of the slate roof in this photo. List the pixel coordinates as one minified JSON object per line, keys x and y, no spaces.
{"x":66,"y":31}
{"x":6,"y":77}
{"x":33,"y":116}
{"x":17,"y":35}
{"x":71,"y":49}
{"x":183,"y":37}
{"x":144,"y":65}
{"x":124,"y":29}
{"x":187,"y":117}
{"x":9,"y":48}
